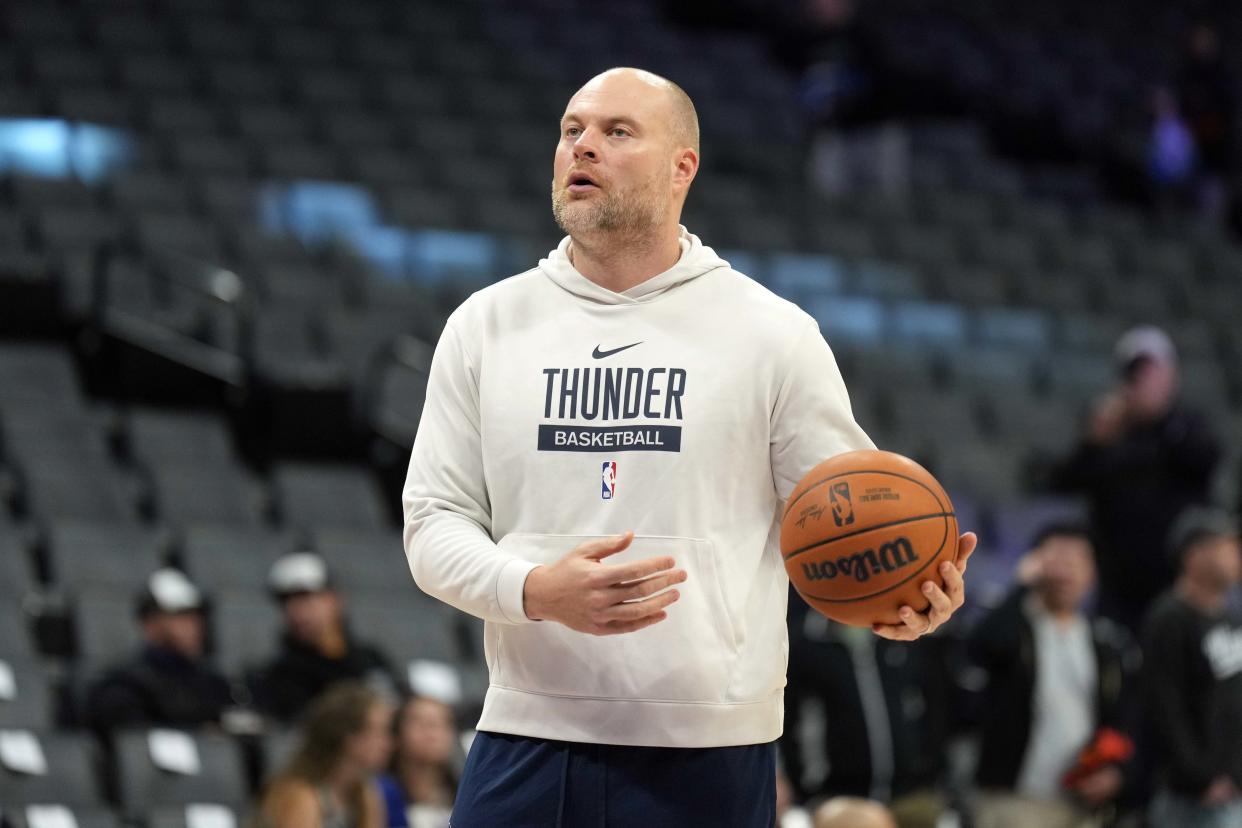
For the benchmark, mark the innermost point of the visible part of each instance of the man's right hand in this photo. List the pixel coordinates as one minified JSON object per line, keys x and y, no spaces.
{"x":1107,"y":419}
{"x":589,"y":596}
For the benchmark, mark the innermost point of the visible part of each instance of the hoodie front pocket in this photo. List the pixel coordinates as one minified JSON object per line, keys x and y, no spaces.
{"x":686,"y":657}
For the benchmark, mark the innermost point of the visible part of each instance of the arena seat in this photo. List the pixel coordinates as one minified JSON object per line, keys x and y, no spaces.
{"x":20,"y":817}
{"x":405,"y":627}
{"x":71,"y":777}
{"x":42,"y":375}
{"x":930,"y":324}
{"x":143,"y":786}
{"x":224,"y":557}
{"x":247,"y":625}
{"x":17,"y":573}
{"x":16,"y":640}
{"x":170,"y":435}
{"x":363,"y":559}
{"x":116,"y":556}
{"x":85,"y":489}
{"x":106,"y":628}
{"x":190,"y":816}
{"x":319,"y":495}
{"x":33,"y":703}
{"x":186,"y":492}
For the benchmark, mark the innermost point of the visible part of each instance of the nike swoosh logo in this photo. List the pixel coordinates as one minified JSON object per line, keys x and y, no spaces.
{"x":598,"y":354}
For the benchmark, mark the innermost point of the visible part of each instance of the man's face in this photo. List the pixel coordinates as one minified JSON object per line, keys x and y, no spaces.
{"x":181,"y":632}
{"x":1150,"y":388}
{"x":615,"y":163}
{"x":1218,"y":560}
{"x":1068,"y":572}
{"x":312,"y":615}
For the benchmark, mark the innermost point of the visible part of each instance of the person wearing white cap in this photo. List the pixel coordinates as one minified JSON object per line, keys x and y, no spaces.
{"x":317,"y":649}
{"x":168,"y":683}
{"x":1143,"y":457}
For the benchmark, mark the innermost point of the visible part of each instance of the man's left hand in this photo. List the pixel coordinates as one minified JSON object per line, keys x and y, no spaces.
{"x":944,"y":601}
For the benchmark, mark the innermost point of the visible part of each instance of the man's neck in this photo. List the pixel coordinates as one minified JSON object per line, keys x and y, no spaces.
{"x":619,"y":264}
{"x":1062,"y":616}
{"x":1203,"y":597}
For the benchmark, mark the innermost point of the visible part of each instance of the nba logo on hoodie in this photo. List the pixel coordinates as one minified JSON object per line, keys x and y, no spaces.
{"x":608,"y":480}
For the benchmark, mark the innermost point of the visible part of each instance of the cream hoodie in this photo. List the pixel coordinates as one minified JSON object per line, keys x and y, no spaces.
{"x":684,"y":409}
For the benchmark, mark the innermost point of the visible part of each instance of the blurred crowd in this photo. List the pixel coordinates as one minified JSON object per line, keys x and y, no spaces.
{"x":1105,"y":687}
{"x":1193,"y":133}
{"x":367,"y":751}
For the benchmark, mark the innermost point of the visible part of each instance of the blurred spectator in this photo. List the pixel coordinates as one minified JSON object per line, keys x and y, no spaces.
{"x":1193,"y":656}
{"x":1206,"y":92}
{"x":853,"y":812}
{"x":168,"y":683}
{"x":422,"y":781}
{"x":1172,"y":163}
{"x":1143,"y":458}
{"x":857,"y":146}
{"x":788,"y":814}
{"x":865,"y":716}
{"x":329,"y":782}
{"x":316,"y":648}
{"x":1055,"y":682}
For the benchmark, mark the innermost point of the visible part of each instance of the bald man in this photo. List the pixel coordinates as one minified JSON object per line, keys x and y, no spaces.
{"x":605,"y":446}
{"x":852,"y":812}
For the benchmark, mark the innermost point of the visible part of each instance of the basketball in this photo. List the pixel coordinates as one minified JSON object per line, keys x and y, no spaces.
{"x":861,"y":533}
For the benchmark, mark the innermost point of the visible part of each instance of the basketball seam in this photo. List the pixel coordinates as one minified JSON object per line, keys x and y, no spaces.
{"x":819,"y":483}
{"x":857,"y":532}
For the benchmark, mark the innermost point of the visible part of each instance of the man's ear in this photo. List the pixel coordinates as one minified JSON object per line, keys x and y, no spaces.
{"x":685,"y":166}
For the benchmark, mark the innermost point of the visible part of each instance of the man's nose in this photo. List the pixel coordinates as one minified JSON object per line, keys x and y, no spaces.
{"x":586,"y":146}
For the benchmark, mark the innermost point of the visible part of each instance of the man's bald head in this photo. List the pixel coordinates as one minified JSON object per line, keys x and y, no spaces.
{"x":853,"y":812}
{"x":682,"y":120}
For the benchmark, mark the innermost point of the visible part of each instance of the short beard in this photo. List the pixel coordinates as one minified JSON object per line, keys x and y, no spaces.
{"x":629,"y":214}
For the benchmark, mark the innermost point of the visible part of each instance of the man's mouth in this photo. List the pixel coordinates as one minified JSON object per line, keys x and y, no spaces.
{"x":580,"y":182}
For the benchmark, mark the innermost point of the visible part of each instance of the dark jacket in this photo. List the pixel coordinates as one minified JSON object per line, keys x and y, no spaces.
{"x":1193,"y":694}
{"x":831,"y":669}
{"x":1002,"y":643}
{"x":158,"y":688}
{"x":1137,"y":487}
{"x":300,"y":672}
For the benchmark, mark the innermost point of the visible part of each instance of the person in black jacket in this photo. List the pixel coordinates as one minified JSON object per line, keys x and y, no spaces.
{"x":1055,"y":679}
{"x":1143,"y":458}
{"x":316,"y":647}
{"x":1193,"y":681}
{"x":867,"y":717}
{"x":168,"y":683}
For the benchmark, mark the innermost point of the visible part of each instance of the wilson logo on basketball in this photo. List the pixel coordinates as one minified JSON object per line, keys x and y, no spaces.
{"x":862,"y":565}
{"x":842,"y":505}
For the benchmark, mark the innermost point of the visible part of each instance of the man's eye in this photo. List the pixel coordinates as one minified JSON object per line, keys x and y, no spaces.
{"x":572,"y":132}
{"x":618,"y":132}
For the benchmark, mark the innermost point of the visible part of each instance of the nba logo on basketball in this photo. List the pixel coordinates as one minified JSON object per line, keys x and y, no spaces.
{"x":608,"y":480}
{"x":842,"y":506}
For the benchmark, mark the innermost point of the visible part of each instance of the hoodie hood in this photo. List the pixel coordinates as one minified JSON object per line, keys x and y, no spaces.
{"x":696,"y":259}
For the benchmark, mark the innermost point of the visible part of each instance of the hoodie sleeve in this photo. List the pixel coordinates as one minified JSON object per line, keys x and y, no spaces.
{"x":447,"y":511}
{"x":812,"y":419}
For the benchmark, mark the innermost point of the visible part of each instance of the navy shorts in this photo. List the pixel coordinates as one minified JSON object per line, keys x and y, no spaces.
{"x":520,"y":782}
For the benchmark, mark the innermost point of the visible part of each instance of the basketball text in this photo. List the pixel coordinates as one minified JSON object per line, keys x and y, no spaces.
{"x":862,"y":565}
